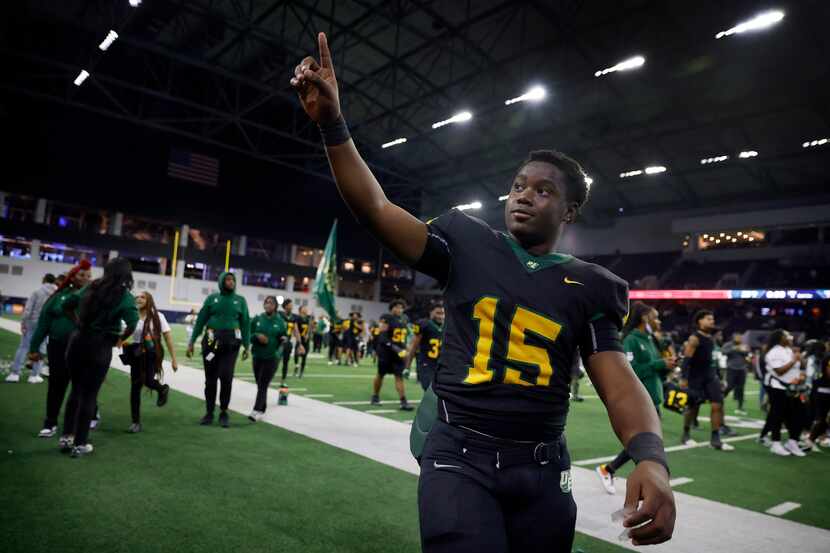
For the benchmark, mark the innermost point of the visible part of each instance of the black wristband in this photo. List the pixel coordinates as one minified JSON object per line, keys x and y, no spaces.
{"x":647,"y":446}
{"x":336,"y":133}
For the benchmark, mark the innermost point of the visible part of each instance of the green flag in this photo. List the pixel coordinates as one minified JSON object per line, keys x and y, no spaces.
{"x":325,"y":283}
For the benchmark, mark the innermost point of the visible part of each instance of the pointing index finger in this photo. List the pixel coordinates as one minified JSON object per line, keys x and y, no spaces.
{"x":325,"y":54}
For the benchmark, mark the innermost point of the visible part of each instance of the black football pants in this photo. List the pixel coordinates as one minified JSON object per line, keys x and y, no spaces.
{"x":467,"y":504}
{"x":220,"y":368}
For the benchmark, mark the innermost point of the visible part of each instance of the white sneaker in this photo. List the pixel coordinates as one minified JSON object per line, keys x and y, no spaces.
{"x":726,"y":447}
{"x":34,"y":379}
{"x":779,"y":449}
{"x":47,"y":432}
{"x":13,"y":377}
{"x":765,"y":441}
{"x":824,"y":442}
{"x":812,"y":446}
{"x":80,"y":450}
{"x":792,"y":447}
{"x":44,"y":370}
{"x":65,"y":443}
{"x":607,"y":479}
{"x":260,"y":415}
{"x":740,"y":412}
{"x":253,"y":417}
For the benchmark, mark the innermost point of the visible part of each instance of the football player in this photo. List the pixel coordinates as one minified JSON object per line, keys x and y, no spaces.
{"x":517,"y":311}
{"x":391,"y":347}
{"x":428,"y":335}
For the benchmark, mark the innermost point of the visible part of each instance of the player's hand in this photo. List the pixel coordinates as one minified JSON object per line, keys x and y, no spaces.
{"x":683,"y":383}
{"x":175,"y":365}
{"x":245,"y":354}
{"x":35,"y":357}
{"x":263,"y":339}
{"x":301,"y":349}
{"x":189,"y":353}
{"x":316,"y":85}
{"x":649,"y":482}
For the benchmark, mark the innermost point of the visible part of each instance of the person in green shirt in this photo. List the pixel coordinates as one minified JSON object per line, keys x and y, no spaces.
{"x":227,"y":325}
{"x":649,"y":366}
{"x":106,"y":315}
{"x":58,"y":324}
{"x":268,"y":332}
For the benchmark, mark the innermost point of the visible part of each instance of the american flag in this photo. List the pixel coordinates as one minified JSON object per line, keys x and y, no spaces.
{"x":193,"y":167}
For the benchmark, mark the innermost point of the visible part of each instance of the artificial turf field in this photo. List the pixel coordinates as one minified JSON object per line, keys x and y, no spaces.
{"x":260,"y":487}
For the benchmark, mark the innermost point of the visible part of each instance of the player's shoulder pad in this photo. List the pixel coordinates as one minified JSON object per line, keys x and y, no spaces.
{"x":609,"y":292}
{"x":597,"y":275}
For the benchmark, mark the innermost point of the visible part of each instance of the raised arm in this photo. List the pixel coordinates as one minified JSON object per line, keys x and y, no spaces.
{"x":396,"y":229}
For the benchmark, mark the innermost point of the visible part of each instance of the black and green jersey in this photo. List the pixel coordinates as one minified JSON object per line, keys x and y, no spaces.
{"x":514,"y":323}
{"x":398,"y":329}
{"x":290,"y":322}
{"x":303,"y":326}
{"x":430,"y":347}
{"x":273,"y":327}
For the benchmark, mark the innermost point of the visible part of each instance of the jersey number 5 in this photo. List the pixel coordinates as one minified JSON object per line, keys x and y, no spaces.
{"x":519,"y":352}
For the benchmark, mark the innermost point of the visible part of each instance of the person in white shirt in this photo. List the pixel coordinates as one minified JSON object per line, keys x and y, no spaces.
{"x":144,"y":354}
{"x":28,"y":323}
{"x":190,"y":320}
{"x":783,"y":371}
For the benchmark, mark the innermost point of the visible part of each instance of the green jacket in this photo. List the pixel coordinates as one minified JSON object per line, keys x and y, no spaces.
{"x":54,"y":320}
{"x":646,"y":362}
{"x":274,"y":328}
{"x":224,"y":310}
{"x":109,"y":322}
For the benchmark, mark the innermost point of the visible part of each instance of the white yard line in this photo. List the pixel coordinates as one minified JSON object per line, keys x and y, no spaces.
{"x":366,"y":402}
{"x":694,"y":445}
{"x":703,"y":525}
{"x":783,"y":508}
{"x":381,"y":411}
{"x":315,"y":395}
{"x":674,"y":482}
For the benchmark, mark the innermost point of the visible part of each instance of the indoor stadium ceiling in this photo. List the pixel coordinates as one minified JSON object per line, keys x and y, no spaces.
{"x":217,"y":71}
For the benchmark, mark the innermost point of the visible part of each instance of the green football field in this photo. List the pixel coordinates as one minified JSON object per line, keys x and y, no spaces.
{"x":257,"y":486}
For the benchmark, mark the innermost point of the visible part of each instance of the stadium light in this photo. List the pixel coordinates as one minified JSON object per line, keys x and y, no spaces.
{"x":135,"y":3}
{"x":631,"y":63}
{"x":465,"y":207}
{"x":535,"y":94}
{"x":630,"y":174}
{"x":748,"y":154}
{"x":502,"y":198}
{"x":107,"y":42}
{"x":655,"y":170}
{"x":814,"y":143}
{"x":79,"y":80}
{"x":457,"y":118}
{"x":716,"y":159}
{"x":393,"y":143}
{"x":760,"y":21}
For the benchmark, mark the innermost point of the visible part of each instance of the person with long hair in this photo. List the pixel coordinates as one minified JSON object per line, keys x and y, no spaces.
{"x":268,"y":332}
{"x":227,"y":324}
{"x":102,"y":308}
{"x":56,"y":323}
{"x":783,"y":371}
{"x":146,"y":354}
{"x":649,"y":366}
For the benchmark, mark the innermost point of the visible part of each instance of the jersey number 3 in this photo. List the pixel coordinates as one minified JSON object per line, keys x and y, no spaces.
{"x":519,"y":353}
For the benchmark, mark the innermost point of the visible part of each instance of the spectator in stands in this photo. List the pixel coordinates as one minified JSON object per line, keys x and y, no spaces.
{"x":737,"y":362}
{"x":146,"y":354}
{"x":783,"y":371}
{"x":57,"y":324}
{"x":28,"y":323}
{"x":649,"y":366}
{"x":106,"y":313}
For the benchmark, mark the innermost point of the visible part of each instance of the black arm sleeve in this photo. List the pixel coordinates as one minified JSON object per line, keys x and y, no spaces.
{"x":601,"y":334}
{"x":435,"y":260}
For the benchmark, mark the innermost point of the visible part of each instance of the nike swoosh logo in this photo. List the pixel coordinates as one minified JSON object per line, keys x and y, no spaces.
{"x":569,"y":281}
{"x":436,"y":465}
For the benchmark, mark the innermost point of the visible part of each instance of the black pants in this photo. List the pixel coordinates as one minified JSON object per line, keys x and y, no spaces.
{"x":143,"y":373}
{"x":264,"y":370}
{"x":88,"y":357}
{"x":735,"y":380}
{"x":220,"y":368}
{"x":783,"y":410}
{"x":467,"y":503}
{"x":302,"y":358}
{"x":425,"y":375}
{"x":58,"y":383}
{"x":287,"y":348}
{"x":332,"y":347}
{"x":318,"y":343}
{"x":821,"y":404}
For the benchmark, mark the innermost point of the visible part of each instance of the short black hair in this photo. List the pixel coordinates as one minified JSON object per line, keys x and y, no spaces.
{"x":700,"y":314}
{"x":394,"y":303}
{"x":576,"y":185}
{"x":287,"y":301}
{"x":48,"y":278}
